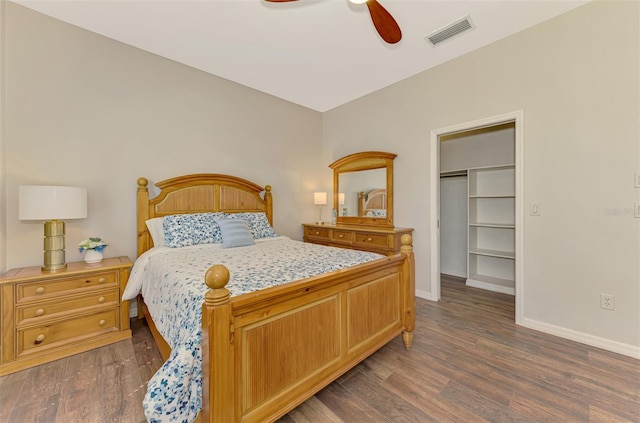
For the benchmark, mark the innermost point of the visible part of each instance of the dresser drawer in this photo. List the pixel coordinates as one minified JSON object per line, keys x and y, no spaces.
{"x":318,"y":233}
{"x":44,"y":310}
{"x":342,"y":236}
{"x":30,"y":291}
{"x":369,"y":239}
{"x":65,"y":332}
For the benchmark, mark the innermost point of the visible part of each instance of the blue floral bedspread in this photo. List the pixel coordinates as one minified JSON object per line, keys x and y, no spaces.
{"x":172,"y":283}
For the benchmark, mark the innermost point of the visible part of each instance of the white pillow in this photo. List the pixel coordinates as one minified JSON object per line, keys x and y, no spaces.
{"x":156,"y":229}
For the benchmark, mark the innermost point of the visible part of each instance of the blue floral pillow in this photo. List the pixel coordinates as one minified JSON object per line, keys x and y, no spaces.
{"x":258,"y":223}
{"x":181,"y":230}
{"x":235,"y":233}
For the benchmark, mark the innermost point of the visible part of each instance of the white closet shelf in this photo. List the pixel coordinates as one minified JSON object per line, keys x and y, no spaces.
{"x":493,"y":225}
{"x":493,"y":253}
{"x":491,"y":228}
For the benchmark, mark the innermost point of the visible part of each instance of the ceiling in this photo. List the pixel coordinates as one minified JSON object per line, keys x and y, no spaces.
{"x":315,"y":53}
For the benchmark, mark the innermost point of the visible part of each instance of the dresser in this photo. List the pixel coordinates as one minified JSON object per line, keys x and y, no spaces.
{"x":50,"y":315}
{"x":375,"y":239}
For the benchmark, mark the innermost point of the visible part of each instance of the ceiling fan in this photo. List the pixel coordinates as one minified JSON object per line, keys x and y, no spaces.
{"x":385,"y":24}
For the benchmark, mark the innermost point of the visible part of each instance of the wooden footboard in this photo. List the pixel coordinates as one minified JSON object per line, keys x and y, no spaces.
{"x":266,"y":352}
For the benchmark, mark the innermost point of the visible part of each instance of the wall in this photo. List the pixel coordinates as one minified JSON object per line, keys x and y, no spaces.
{"x":3,"y":196}
{"x":85,"y":110}
{"x":80,"y":109}
{"x":576,"y":79}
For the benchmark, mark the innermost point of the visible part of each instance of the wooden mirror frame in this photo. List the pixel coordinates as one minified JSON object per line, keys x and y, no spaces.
{"x":367,"y":160}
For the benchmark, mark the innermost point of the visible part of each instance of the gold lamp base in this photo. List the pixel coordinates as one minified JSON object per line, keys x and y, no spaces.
{"x":54,"y":246}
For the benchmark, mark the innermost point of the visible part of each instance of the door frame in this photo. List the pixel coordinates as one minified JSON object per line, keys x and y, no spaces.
{"x":516,"y":117}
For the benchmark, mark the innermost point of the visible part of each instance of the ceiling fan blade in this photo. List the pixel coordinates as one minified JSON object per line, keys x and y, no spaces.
{"x":387,"y":27}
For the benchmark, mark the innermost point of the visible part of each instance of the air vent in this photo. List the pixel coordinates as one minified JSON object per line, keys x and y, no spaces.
{"x":449,"y":31}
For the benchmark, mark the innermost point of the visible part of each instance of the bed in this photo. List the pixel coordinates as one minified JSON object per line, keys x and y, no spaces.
{"x":265,"y":352}
{"x":372,"y":203}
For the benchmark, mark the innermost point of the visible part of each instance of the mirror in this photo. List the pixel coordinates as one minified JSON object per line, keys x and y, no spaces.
{"x":363,"y":189}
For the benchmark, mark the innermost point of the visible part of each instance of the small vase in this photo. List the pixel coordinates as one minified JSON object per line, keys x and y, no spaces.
{"x":93,"y":256}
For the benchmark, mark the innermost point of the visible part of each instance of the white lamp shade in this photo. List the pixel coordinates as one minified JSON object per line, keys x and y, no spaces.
{"x":341,"y":198}
{"x":42,"y":202}
{"x":319,"y":198}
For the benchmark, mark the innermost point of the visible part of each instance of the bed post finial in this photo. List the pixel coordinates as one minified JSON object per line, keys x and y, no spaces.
{"x":217,"y":276}
{"x":142,"y":183}
{"x":406,"y":244}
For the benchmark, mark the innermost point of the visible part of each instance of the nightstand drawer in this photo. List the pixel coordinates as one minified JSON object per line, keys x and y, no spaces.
{"x":47,"y":309}
{"x":343,"y":236}
{"x":36,"y":290}
{"x":378,"y":240}
{"x":66,"y":331}
{"x":318,"y":233}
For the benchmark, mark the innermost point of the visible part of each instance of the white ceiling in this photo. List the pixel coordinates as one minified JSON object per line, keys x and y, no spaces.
{"x":316,"y":53}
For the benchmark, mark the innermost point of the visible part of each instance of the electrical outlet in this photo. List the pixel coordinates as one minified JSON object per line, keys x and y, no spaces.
{"x":607,"y":302}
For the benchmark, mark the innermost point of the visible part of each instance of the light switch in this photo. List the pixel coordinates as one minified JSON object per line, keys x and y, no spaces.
{"x":636,"y":179}
{"x":534,"y":209}
{"x":636,"y":209}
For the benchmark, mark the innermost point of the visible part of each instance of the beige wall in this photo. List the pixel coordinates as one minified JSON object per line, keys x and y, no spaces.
{"x":85,"y":110}
{"x":576,"y":77}
{"x":3,"y":195}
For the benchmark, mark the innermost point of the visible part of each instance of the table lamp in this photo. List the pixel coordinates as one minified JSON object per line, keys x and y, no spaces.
{"x":52,"y":204}
{"x":320,"y":199}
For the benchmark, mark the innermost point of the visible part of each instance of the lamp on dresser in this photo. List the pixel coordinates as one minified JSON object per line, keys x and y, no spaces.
{"x":320,"y":199}
{"x":341,"y":203}
{"x":52,"y":204}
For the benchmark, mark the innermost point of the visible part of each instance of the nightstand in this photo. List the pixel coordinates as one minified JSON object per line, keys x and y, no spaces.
{"x":51,"y":315}
{"x":367,"y":238}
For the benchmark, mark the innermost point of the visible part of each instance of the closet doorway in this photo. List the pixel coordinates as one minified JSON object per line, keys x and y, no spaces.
{"x":476,"y":205}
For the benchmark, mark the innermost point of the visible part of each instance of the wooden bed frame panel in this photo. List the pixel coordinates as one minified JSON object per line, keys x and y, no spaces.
{"x":316,"y":328}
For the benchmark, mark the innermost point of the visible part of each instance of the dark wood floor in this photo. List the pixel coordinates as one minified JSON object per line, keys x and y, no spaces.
{"x":469,"y":363}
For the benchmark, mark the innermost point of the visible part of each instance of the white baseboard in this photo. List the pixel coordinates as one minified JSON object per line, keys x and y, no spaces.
{"x":455,"y":273}
{"x":424,"y":294}
{"x":491,"y":287}
{"x":584,"y":338}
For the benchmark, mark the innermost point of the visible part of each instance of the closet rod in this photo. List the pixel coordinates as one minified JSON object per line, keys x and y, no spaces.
{"x":453,"y":174}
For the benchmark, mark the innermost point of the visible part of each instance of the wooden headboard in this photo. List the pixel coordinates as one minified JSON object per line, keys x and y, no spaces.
{"x":199,"y":193}
{"x":372,"y":200}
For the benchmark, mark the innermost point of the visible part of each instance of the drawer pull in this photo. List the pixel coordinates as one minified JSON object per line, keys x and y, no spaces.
{"x":40,"y":312}
{"x":39,"y":339}
{"x":101,"y":300}
{"x":341,"y":236}
{"x":102,"y":280}
{"x":102,"y":322}
{"x":40,"y":290}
